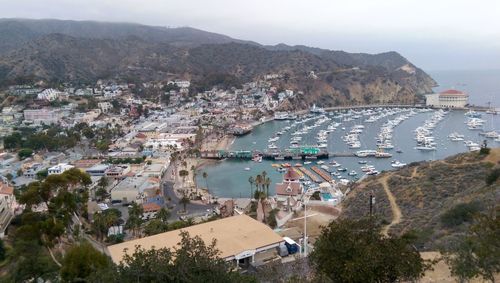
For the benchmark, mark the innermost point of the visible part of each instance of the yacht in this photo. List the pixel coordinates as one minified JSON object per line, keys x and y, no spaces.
{"x":272,"y":146}
{"x":398,"y":164}
{"x":352,"y":173}
{"x":334,"y":163}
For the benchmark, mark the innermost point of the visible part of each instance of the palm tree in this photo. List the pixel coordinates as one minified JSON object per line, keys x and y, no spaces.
{"x":205,"y":176}
{"x":258,"y":182}
{"x":267,"y":182}
{"x":251,"y":181}
{"x":184,"y":201}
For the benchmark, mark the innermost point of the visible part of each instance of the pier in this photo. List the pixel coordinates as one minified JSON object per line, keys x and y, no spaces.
{"x":322,"y":174}
{"x":287,"y":154}
{"x":310,"y":174}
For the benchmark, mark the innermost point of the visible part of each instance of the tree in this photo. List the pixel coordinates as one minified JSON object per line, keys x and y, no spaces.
{"x":205,"y":177}
{"x":9,"y":176}
{"x":134,"y":220}
{"x":155,"y":226}
{"x":192,"y":261}
{"x":163,"y":215}
{"x":81,"y":261}
{"x":251,"y":181}
{"x":258,"y":182}
{"x":267,"y":183}
{"x":2,"y":251}
{"x":478,"y":252}
{"x":362,"y":254}
{"x":24,"y":153}
{"x":183,"y":174}
{"x":184,"y":201}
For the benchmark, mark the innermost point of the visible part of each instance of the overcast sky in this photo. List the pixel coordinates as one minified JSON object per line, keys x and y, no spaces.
{"x":434,"y":34}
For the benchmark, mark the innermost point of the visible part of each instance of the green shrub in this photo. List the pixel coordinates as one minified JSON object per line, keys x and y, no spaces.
{"x":493,"y":176}
{"x":484,"y":151}
{"x":460,"y":213}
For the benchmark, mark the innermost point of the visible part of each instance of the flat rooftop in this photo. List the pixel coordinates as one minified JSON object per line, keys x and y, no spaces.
{"x":234,"y":235}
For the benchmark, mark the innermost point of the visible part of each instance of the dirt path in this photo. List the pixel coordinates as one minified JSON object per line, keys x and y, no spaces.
{"x":396,"y":211}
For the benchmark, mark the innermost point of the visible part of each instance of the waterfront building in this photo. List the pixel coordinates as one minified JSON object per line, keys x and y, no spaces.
{"x":290,"y":187}
{"x":447,"y":99}
{"x":240,"y":240}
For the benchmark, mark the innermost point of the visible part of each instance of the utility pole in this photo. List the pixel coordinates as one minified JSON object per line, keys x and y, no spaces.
{"x":305,"y":228}
{"x":371,"y":205}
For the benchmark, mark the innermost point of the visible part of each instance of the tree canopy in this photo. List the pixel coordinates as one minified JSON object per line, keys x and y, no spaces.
{"x":356,"y":251}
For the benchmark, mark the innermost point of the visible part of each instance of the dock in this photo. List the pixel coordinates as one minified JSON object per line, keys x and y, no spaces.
{"x":310,"y":174}
{"x":322,"y":174}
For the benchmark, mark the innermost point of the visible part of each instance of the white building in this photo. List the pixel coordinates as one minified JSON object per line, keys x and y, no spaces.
{"x":447,"y":99}
{"x":105,"y":106}
{"x":42,"y":116}
{"x":7,"y":206}
{"x":49,"y":94}
{"x":59,"y":168}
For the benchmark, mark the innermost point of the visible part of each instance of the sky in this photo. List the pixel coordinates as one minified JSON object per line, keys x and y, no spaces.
{"x":433,"y":34}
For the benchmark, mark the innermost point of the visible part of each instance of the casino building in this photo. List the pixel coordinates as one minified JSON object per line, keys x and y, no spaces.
{"x":447,"y":99}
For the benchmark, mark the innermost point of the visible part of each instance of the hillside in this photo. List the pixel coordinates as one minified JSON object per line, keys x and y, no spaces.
{"x":82,"y":52}
{"x":432,"y":198}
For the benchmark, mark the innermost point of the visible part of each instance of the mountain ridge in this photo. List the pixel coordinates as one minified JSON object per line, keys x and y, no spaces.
{"x":55,"y":50}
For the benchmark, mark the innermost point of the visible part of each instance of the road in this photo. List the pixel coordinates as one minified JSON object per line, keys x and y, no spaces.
{"x":193,"y":209}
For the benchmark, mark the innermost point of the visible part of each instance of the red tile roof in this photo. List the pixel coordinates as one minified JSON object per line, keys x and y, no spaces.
{"x":291,"y":175}
{"x":288,"y":189}
{"x":6,"y":190}
{"x":453,"y":92}
{"x":150,"y":207}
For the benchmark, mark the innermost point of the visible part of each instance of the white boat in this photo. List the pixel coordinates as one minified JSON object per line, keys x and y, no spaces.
{"x":426,"y":147}
{"x":272,"y":146}
{"x":352,"y":173}
{"x":247,"y":168}
{"x":398,"y":164}
{"x":320,"y":162}
{"x":307,"y":162}
{"x":322,"y":145}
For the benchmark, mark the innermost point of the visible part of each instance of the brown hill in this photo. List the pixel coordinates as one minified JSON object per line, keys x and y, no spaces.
{"x":436,"y":199}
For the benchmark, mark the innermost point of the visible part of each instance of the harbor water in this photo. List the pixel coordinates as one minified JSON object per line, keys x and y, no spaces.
{"x":229,"y":178}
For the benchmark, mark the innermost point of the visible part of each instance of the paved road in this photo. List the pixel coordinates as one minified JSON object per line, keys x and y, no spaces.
{"x":168,"y":192}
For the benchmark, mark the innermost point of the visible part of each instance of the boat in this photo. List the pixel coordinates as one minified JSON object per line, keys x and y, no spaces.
{"x":320,"y":162}
{"x":342,"y":169}
{"x":272,"y":146}
{"x":399,"y":151}
{"x":352,"y":173}
{"x":372,"y":172}
{"x":298,"y":165}
{"x":247,"y":168}
{"x":334,"y":163}
{"x":398,"y":164}
{"x":281,"y":170}
{"x":426,"y":147}
{"x":362,"y":162}
{"x":307,"y":162}
{"x":381,"y":154}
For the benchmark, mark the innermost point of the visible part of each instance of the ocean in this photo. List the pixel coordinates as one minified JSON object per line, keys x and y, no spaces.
{"x":483,"y":86}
